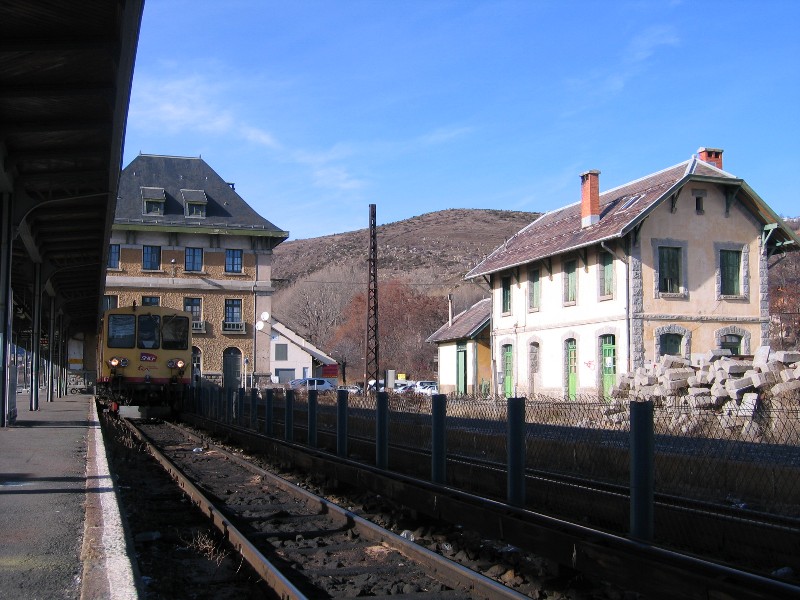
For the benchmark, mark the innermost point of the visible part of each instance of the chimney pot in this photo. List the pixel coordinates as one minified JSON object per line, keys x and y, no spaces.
{"x":712,"y":156}
{"x":590,"y":198}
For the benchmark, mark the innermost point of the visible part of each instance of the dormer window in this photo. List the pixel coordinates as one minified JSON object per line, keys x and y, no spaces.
{"x":153,"y":199}
{"x":194,"y":203}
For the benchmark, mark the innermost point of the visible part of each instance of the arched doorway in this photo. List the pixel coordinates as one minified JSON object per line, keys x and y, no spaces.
{"x":232,"y":368}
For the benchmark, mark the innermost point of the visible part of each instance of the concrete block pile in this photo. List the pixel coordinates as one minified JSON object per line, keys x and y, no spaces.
{"x":724,"y":389}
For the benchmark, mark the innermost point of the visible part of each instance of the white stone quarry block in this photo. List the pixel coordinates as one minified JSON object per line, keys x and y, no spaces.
{"x":737,"y":384}
{"x":645,"y":380}
{"x":787,"y":357}
{"x":788,"y":387}
{"x":752,"y":432}
{"x":669,"y":361}
{"x":736,"y":367}
{"x":713,"y":355}
{"x":786,"y":375}
{"x":761,"y":355}
{"x":674,"y":385}
{"x":747,"y":406}
{"x":727,"y":421}
{"x":765,"y":379}
{"x":718,"y":390}
{"x":682,"y":373}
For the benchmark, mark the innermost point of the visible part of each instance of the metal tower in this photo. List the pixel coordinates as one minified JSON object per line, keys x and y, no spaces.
{"x":371,"y":370}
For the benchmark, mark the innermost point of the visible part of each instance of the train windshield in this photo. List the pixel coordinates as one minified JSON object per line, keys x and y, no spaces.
{"x":121,"y":331}
{"x":175,"y":333}
{"x":149,"y":331}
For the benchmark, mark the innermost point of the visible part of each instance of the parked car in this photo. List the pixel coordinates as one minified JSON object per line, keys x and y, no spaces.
{"x":421,"y":385}
{"x":429,"y":390}
{"x":351,"y":388}
{"x":311,"y":383}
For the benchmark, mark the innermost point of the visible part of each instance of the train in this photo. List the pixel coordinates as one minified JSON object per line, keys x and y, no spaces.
{"x":144,"y":360}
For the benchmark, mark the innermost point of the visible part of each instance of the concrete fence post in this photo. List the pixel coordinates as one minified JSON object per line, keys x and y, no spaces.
{"x":515,"y":416}
{"x":268,"y":418}
{"x":382,"y":431}
{"x":438,"y":439}
{"x":312,"y":418}
{"x":341,"y":423}
{"x":642,"y":457}
{"x":253,"y":408}
{"x":288,"y":417}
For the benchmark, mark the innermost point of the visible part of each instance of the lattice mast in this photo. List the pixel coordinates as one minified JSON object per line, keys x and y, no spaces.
{"x":371,"y":370}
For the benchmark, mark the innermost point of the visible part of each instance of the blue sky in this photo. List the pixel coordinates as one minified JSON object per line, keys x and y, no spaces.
{"x":316,"y":109}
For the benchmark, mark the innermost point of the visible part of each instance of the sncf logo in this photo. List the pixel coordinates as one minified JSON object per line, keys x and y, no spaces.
{"x":147,"y":357}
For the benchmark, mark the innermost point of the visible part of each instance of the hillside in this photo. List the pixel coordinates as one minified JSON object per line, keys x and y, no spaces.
{"x":318,"y":279}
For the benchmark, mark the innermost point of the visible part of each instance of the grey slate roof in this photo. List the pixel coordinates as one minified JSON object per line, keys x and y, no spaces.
{"x":178,"y":180}
{"x":466,"y":325}
{"x":621,"y":209}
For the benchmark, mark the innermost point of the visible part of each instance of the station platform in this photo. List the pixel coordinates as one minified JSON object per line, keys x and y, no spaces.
{"x":61,"y":533}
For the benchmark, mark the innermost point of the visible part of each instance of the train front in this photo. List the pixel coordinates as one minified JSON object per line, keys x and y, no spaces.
{"x":145,"y":362}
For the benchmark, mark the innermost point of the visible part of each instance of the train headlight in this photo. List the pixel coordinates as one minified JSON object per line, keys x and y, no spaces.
{"x":181,"y":364}
{"x":114,"y":362}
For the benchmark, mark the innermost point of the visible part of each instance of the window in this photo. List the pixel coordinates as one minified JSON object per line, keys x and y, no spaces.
{"x":151,"y":258}
{"x":195,"y":210}
{"x":233,"y":261}
{"x":110,"y":302}
{"x":669,"y":270}
{"x":149,"y":331}
{"x":195,"y":203}
{"x":281,"y":351}
{"x":193,"y":259}
{"x":121,"y":331}
{"x":233,"y":316}
{"x":194,"y":306}
{"x":606,"y":274}
{"x":671,"y":344}
{"x":151,"y":301}
{"x":729,"y":269}
{"x":113,"y":256}
{"x":699,"y":195}
{"x":534,"y":289}
{"x":152,"y":201}
{"x":570,"y":281}
{"x":175,"y":333}
{"x":732,"y":343}
{"x":506,"y":284}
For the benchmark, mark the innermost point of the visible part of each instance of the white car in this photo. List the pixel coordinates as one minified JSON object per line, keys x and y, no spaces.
{"x":311,"y":383}
{"x":423,"y":385}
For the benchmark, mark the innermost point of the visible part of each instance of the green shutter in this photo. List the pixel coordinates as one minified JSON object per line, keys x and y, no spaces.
{"x":607,"y":263}
{"x":669,"y":270}
{"x":506,"y":281}
{"x":729,"y":266}
{"x":534,"y":289}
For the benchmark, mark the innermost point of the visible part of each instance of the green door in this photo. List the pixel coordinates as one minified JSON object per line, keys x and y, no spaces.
{"x":461,"y":369}
{"x":609,"y":350}
{"x":572,"y":369}
{"x":508,"y":370}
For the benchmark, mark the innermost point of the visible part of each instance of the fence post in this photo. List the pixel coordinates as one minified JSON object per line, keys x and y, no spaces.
{"x":438,"y":438}
{"x":227,"y":394}
{"x":312,"y":418}
{"x":341,"y":423}
{"x":515,"y":416}
{"x":288,"y":417}
{"x":253,"y":408}
{"x":268,"y":411}
{"x":642,"y":449}
{"x":382,"y":431}
{"x":240,"y":406}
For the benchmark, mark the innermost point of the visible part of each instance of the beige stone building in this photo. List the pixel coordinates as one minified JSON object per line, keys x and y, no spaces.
{"x":182,"y":237}
{"x":673,"y":263}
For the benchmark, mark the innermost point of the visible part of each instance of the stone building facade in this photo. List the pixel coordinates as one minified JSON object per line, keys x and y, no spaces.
{"x":182,"y":237}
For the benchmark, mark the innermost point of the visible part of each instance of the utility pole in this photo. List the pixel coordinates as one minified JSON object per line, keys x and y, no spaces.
{"x":371,"y":370}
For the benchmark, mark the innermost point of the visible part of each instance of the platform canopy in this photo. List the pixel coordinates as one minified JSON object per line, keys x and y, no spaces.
{"x":65,"y":81}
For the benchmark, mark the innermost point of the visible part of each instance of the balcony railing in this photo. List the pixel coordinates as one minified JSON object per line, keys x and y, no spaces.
{"x":198,"y":326}
{"x":233,"y":327}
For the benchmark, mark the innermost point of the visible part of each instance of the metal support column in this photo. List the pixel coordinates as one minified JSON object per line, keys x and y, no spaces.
{"x":36,"y":335}
{"x":371,"y":347}
{"x":6,"y":311}
{"x":515,"y":490}
{"x":52,"y":371}
{"x":642,"y":457}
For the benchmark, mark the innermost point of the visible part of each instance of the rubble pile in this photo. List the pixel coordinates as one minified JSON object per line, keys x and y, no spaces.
{"x":729,"y":389}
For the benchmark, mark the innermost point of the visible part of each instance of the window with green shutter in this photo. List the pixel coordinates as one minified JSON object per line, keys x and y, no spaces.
{"x":669,"y":270}
{"x":606,"y":274}
{"x":570,"y":281}
{"x":730,"y":267}
{"x":506,"y":282}
{"x":534,"y":289}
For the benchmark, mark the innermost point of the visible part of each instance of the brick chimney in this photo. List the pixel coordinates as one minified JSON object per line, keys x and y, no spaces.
{"x":712,"y":156}
{"x":590,"y":198}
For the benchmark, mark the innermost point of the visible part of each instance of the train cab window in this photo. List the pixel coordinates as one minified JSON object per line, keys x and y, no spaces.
{"x":175,"y":333}
{"x":149,"y":331}
{"x":121,"y":331}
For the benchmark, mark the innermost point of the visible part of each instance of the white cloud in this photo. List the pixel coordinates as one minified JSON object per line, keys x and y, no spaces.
{"x":644,"y":45}
{"x":444,"y":134}
{"x":258,"y":136}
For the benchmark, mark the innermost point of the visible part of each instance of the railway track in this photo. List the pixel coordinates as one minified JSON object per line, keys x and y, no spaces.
{"x":302,"y":545}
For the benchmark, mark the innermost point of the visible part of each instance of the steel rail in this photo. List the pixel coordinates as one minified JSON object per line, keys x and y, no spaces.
{"x":440,"y":568}
{"x":653,"y":570}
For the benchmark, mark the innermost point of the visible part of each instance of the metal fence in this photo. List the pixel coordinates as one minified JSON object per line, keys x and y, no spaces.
{"x":720,"y":457}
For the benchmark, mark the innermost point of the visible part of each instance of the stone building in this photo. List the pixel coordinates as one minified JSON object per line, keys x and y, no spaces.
{"x":182,"y":237}
{"x":673,"y":263}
